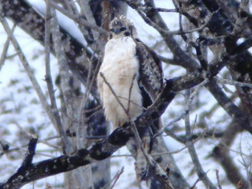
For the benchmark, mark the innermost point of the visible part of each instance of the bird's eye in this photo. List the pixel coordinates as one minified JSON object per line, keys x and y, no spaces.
{"x":127,"y":33}
{"x":122,"y":29}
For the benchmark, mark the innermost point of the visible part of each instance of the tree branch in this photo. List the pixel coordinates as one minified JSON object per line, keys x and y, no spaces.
{"x":22,"y":14}
{"x":200,"y":172}
{"x":99,"y":151}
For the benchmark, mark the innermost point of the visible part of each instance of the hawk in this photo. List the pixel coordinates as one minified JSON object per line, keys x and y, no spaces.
{"x":130,"y":73}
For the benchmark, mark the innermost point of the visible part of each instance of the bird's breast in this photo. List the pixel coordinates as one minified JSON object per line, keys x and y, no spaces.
{"x":120,"y":64}
{"x":120,"y":68}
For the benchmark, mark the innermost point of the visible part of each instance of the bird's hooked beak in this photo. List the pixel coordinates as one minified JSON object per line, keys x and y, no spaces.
{"x":116,"y":31}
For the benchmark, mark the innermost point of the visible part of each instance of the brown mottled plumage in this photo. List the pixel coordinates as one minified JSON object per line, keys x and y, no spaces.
{"x":125,"y":56}
{"x":135,"y":74}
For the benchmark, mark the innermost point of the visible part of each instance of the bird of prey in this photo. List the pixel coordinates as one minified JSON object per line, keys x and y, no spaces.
{"x":130,"y":73}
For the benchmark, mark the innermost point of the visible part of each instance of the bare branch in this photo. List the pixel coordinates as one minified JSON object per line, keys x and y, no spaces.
{"x":48,"y":77}
{"x":35,"y":21}
{"x":5,"y":48}
{"x":186,"y":109}
{"x":117,"y":176}
{"x":232,"y":82}
{"x":99,"y":151}
{"x":200,"y":172}
{"x":78,"y":19}
{"x":195,"y":183}
{"x":29,"y":71}
{"x":218,"y":179}
{"x":156,"y":167}
{"x":182,"y":58}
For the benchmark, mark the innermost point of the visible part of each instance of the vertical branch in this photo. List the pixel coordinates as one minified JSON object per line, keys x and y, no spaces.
{"x":200,"y":172}
{"x":67,"y":147}
{"x":131,"y":86}
{"x":77,"y":174}
{"x":29,"y":72}
{"x":154,"y":17}
{"x":81,"y":130}
{"x":159,"y":173}
{"x":48,"y":77}
{"x":247,"y":164}
{"x":85,"y":10}
{"x":6,"y":46}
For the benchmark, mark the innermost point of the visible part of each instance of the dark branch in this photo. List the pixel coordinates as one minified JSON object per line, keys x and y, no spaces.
{"x":22,"y":14}
{"x":99,"y":151}
{"x":30,"y":152}
{"x":30,"y":172}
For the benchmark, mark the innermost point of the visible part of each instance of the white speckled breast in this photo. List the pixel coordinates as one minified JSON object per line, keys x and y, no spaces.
{"x":119,"y":66}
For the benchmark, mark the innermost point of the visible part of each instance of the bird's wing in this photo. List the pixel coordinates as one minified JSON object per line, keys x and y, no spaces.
{"x":150,"y":81}
{"x":150,"y":70}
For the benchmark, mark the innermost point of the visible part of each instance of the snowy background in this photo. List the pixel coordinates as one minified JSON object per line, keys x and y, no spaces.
{"x":21,"y":112}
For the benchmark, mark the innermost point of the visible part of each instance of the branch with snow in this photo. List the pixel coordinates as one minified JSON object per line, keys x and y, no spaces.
{"x":97,"y":152}
{"x":217,"y":32}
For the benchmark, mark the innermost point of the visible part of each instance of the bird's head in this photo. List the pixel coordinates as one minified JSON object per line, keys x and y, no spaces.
{"x":121,"y":27}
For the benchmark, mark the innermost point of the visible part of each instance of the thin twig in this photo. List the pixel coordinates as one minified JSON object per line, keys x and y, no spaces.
{"x":82,"y":110}
{"x":78,"y":19}
{"x":183,"y":34}
{"x":93,"y":109}
{"x":20,"y":148}
{"x":148,"y":21}
{"x":200,"y":172}
{"x":117,"y":176}
{"x":115,"y":95}
{"x":86,"y":119}
{"x":159,"y":9}
{"x":48,"y":77}
{"x":21,"y":129}
{"x":130,"y":90}
{"x":132,"y":102}
{"x":137,"y":176}
{"x":195,"y":183}
{"x":150,"y":160}
{"x":232,"y":82}
{"x":99,"y":151}
{"x":51,"y":145}
{"x":67,"y":92}
{"x":245,"y":164}
{"x":155,"y":154}
{"x":161,"y":131}
{"x":5,"y":48}
{"x":86,"y":10}
{"x":64,"y":77}
{"x":170,"y":152}
{"x":82,"y":119}
{"x":218,"y":179}
{"x":196,"y":90}
{"x":96,"y":137}
{"x":127,"y":113}
{"x":174,"y":136}
{"x":29,"y":71}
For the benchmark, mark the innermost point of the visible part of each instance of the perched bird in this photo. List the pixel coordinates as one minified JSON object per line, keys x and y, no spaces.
{"x":130,"y":73}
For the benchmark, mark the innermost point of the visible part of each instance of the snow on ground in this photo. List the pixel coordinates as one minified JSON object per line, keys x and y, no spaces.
{"x":18,"y":96}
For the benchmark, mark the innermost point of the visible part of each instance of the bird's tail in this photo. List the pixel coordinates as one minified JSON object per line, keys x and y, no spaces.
{"x":147,"y":165}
